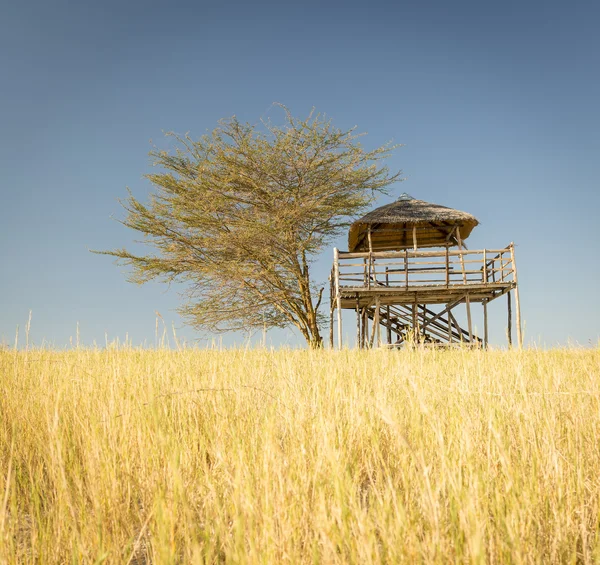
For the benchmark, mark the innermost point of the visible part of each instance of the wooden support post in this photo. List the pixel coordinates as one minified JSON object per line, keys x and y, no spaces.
{"x":415,"y":321}
{"x":447,"y":267}
{"x":357,"y":323}
{"x":485,"y":325}
{"x":517,"y":302}
{"x":336,"y":266}
{"x":331,"y":327}
{"x":469,"y":322}
{"x":509,"y":332}
{"x":377,"y":315}
{"x":363,"y":315}
{"x":518,"y":318}
{"x":406,"y":267}
{"x":449,"y":323}
{"x":375,"y":327}
{"x":331,"y":303}
{"x":415,"y":237}
{"x":389,"y":320}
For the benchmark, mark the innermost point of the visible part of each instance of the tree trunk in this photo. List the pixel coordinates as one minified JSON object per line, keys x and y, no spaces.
{"x":315,"y":341}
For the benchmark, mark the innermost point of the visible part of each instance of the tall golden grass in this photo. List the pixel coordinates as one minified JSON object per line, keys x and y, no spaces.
{"x":258,"y":456}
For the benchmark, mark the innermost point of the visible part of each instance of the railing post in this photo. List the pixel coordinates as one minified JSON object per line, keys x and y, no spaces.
{"x":336,"y":267}
{"x":462,"y":266}
{"x":462,"y":259}
{"x":484,"y":267}
{"x":406,"y":266}
{"x":447,"y":267}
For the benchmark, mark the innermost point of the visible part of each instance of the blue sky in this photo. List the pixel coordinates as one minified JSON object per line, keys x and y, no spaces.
{"x":496,"y":104}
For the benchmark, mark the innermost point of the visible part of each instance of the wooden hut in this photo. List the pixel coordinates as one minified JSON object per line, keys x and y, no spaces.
{"x":407,"y":268}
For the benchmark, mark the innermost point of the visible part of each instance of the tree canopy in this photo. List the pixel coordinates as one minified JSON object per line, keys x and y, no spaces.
{"x":240,"y":214}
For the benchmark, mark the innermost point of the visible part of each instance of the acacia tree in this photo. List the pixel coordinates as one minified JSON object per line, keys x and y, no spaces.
{"x":240,"y":214}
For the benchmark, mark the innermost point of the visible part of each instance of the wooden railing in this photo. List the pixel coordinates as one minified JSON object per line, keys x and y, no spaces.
{"x":408,"y":269}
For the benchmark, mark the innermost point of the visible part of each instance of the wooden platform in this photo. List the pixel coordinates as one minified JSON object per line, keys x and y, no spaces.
{"x":421,"y":294}
{"x":393,"y":289}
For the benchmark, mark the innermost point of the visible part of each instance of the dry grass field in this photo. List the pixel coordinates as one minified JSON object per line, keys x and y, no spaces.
{"x":257,"y":456}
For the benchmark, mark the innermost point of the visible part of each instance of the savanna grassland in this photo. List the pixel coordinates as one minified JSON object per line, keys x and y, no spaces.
{"x":286,"y":456}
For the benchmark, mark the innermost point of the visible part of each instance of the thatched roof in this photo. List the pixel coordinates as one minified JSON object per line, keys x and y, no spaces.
{"x":392,"y":226}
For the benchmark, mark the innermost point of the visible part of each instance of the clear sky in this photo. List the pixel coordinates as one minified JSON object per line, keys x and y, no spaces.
{"x":496,"y":103}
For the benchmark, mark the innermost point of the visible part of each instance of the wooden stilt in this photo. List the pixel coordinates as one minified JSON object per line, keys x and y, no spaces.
{"x":378,"y":329}
{"x":415,"y":321}
{"x":375,"y":328}
{"x":509,"y":332}
{"x":331,"y":303}
{"x":339,"y":321}
{"x":388,"y":312}
{"x":368,"y":326}
{"x":518,"y":318}
{"x":469,"y":322}
{"x":331,"y":326}
{"x":357,"y":323}
{"x":517,"y":302}
{"x":336,"y":256}
{"x":485,"y":325}
{"x":365,"y":328}
{"x":449,"y":324}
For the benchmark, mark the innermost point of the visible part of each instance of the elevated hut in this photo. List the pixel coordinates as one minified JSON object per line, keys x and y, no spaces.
{"x":407,"y":268}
